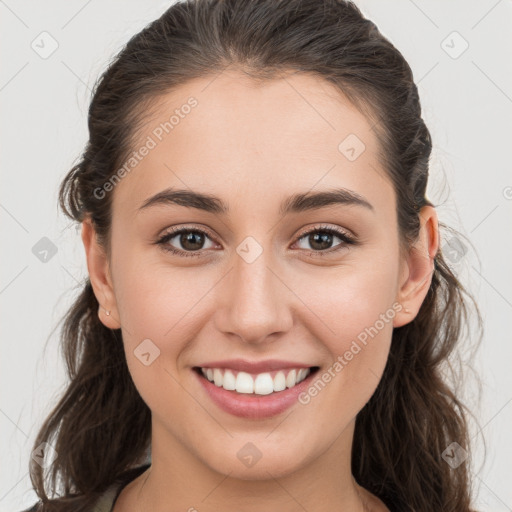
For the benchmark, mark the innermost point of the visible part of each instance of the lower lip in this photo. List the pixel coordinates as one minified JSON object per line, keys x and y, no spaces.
{"x":254,"y":406}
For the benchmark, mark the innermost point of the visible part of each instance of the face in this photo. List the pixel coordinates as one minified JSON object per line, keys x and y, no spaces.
{"x":310,"y":286}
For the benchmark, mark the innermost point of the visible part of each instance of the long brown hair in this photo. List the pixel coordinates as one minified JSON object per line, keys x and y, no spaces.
{"x":101,"y":428}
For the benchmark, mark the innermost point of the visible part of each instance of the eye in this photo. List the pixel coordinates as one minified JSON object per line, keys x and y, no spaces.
{"x":190,"y":240}
{"x":321,"y":237}
{"x":193,"y":239}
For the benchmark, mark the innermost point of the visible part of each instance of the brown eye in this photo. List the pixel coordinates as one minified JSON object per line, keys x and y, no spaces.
{"x":191,"y":241}
{"x":321,"y":240}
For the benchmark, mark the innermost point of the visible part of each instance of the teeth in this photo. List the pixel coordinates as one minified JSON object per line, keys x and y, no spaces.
{"x":279,"y":382}
{"x":229,"y":381}
{"x":244,"y":383}
{"x":217,"y":377}
{"x":303,"y":372}
{"x":263,"y":384}
{"x":291,"y":379}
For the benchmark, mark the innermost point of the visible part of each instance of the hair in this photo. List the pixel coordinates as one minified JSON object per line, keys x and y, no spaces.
{"x":414,"y":414}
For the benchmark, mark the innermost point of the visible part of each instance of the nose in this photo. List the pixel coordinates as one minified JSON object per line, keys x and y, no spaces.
{"x":254,"y":301}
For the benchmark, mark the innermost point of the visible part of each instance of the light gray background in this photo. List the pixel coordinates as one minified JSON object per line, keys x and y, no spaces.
{"x":467,"y":104}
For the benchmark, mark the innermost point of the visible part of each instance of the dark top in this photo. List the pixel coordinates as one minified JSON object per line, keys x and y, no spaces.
{"x":106,"y":501}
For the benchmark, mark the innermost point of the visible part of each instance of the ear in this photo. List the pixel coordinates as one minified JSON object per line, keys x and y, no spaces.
{"x":99,"y":274}
{"x":417,"y":269}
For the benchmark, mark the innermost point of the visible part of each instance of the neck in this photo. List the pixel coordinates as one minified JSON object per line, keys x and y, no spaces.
{"x":178,"y":480}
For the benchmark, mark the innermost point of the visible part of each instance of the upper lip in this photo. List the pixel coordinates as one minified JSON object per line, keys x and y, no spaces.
{"x":254,"y":366}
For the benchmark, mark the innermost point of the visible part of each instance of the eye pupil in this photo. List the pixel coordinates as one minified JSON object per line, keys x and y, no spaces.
{"x":192,"y":236}
{"x":324,"y":239}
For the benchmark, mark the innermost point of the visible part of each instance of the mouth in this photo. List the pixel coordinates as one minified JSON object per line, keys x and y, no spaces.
{"x":254,"y":396}
{"x":264,"y":383}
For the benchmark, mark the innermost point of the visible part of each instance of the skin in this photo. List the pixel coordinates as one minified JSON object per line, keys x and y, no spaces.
{"x":253,"y":146}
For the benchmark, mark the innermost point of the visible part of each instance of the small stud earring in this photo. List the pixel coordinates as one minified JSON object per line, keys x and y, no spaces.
{"x":407,"y":310}
{"x":107,"y":312}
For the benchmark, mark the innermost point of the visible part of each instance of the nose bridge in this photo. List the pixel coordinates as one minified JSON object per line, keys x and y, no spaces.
{"x":256,"y":304}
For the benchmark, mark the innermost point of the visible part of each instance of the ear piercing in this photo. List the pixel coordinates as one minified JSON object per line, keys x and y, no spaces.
{"x":107,"y":312}
{"x":407,"y":310}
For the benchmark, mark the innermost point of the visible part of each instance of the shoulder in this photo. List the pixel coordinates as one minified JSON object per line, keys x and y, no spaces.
{"x":32,"y":509}
{"x":103,"y":504}
{"x":107,"y":499}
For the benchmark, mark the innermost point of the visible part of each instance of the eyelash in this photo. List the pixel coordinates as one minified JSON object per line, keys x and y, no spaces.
{"x":347,"y":240}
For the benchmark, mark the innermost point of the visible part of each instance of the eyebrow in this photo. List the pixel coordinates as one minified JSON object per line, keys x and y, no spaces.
{"x":294,"y":204}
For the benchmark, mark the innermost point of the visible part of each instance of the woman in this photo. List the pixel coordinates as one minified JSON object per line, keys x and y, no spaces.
{"x":268,"y":312}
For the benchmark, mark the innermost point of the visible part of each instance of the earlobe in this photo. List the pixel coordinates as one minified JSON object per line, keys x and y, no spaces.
{"x":419,"y":268}
{"x":99,"y":275}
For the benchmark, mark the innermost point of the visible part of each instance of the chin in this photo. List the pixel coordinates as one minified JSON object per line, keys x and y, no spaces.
{"x":246,"y":460}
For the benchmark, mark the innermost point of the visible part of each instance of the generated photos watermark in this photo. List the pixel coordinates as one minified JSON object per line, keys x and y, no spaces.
{"x":150,"y":143}
{"x":355,"y":348}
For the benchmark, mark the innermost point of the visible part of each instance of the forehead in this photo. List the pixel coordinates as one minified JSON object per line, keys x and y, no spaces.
{"x":240,"y":139}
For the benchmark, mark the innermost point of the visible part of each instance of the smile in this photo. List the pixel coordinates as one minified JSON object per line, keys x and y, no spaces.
{"x":259,"y":384}
{"x":254,"y":396}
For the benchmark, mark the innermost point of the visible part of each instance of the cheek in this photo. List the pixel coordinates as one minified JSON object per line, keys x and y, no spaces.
{"x":354,"y":320}
{"x":159,"y":307}
{"x":350,"y":299}
{"x":156,"y":300}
